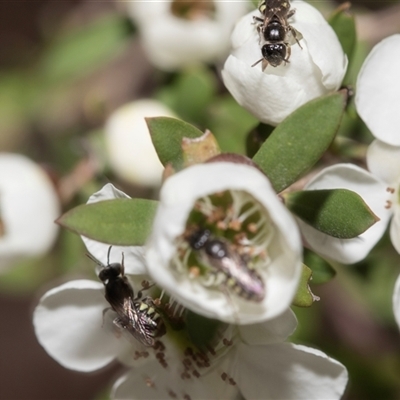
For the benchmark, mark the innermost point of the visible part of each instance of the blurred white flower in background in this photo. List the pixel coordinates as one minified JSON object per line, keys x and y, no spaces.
{"x":377,"y":102}
{"x":29,"y":205}
{"x":315,"y":69}
{"x":176,"y":33}
{"x":238,"y":205}
{"x":378,"y":91}
{"x":129,"y":148}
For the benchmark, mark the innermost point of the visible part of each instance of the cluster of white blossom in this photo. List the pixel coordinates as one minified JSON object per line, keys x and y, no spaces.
{"x":69,"y":320}
{"x":239,"y":209}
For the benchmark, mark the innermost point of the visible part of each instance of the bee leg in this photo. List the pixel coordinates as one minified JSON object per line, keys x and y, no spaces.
{"x":294,"y":34}
{"x":119,"y":323}
{"x":289,"y":52}
{"x":257,"y":19}
{"x":264,"y":64}
{"x":122,"y":265}
{"x":104,"y":313}
{"x":145,"y":286}
{"x":291,"y":13}
{"x":257,"y":62}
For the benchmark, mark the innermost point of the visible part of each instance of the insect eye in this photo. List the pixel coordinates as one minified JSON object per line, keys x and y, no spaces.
{"x":199,"y":239}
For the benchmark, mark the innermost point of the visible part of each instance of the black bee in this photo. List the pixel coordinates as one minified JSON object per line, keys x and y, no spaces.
{"x":275,"y":30}
{"x":138,"y":316}
{"x":219,"y":254}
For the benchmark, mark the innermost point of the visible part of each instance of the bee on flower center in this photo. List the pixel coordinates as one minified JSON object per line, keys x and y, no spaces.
{"x":275,"y":30}
{"x":220,"y":255}
{"x":136,"y":315}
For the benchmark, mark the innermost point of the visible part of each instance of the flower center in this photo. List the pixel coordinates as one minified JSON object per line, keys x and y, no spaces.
{"x":193,"y":9}
{"x":225,"y":244}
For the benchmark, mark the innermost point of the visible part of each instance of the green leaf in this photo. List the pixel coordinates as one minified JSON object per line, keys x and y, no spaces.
{"x":343,"y":23}
{"x":256,"y":137}
{"x":340,"y":213}
{"x":73,"y":54}
{"x":300,"y":140}
{"x":167,"y":134}
{"x":124,"y":222}
{"x":322,"y":272}
{"x":304,"y":297}
{"x":201,"y":330}
{"x":190,"y":94}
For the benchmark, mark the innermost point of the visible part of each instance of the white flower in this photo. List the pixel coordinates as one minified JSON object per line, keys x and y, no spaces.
{"x":251,"y":370}
{"x":68,"y":323}
{"x":383,"y":161}
{"x":250,"y":219}
{"x":29,"y":205}
{"x":377,"y":100}
{"x":374,"y":193}
{"x":134,"y":255}
{"x":314,"y":70}
{"x":378,"y":91}
{"x":173,"y":41}
{"x":250,"y":359}
{"x":130,"y":150}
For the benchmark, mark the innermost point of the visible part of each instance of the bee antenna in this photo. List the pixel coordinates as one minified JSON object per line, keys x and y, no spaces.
{"x":108,"y":255}
{"x":94,"y":259}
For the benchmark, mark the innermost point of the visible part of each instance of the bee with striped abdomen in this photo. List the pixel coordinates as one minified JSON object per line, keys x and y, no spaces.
{"x":219,"y":255}
{"x":136,"y":315}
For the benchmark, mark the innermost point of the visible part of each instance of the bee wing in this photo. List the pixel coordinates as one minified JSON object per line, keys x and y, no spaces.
{"x":293,"y":36}
{"x":138,"y":325}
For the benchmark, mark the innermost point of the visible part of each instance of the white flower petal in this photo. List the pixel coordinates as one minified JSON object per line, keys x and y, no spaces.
{"x":178,"y":197}
{"x":28,"y":207}
{"x":272,"y":331}
{"x":130,"y":149}
{"x":373,"y":192}
{"x":172,"y":42}
{"x":133,"y":255}
{"x":313,"y":70}
{"x":383,"y":161}
{"x":155,"y":382}
{"x":396,"y":301}
{"x":330,"y":59}
{"x":68,"y":324}
{"x":290,"y":372}
{"x":378,"y":91}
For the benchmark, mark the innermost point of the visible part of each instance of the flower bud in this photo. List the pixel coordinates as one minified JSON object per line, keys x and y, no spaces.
{"x":315,"y":65}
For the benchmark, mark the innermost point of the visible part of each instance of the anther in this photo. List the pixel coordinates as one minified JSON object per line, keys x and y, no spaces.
{"x":388,"y":204}
{"x":227,"y":342}
{"x":390,"y":190}
{"x":149,"y":382}
{"x":172,"y":394}
{"x":252,"y":227}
